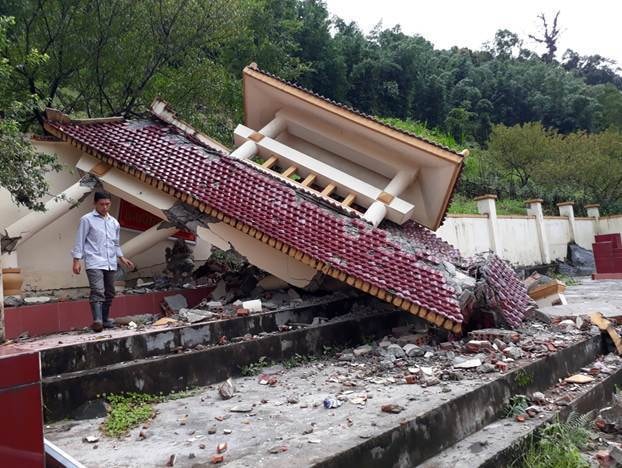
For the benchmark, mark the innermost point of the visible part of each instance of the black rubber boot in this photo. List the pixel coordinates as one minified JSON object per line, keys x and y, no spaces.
{"x":105,"y":313}
{"x":96,"y":310}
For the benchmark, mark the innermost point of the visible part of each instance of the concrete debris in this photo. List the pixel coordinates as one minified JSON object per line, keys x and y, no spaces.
{"x":173,"y":304}
{"x":278,"y":449}
{"x":468,"y":364}
{"x":165,"y":321}
{"x":13,"y":301}
{"x":132,"y":325}
{"x":546,"y":291}
{"x":226,"y":389}
{"x":267,"y":379}
{"x":395,"y":350}
{"x":195,"y":315}
{"x":362,"y":350}
{"x":37,"y":300}
{"x":579,"y":379}
{"x":412,"y":350}
{"x":171,"y":460}
{"x":331,"y":403}
{"x":90,"y":439}
{"x":221,"y":447}
{"x":392,"y":408}
{"x":513,"y":352}
{"x":252,"y":306}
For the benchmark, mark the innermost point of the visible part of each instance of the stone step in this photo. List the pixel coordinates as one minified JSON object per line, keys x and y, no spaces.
{"x":97,"y":353}
{"x":421,"y":435}
{"x":168,"y":373}
{"x":502,"y":442}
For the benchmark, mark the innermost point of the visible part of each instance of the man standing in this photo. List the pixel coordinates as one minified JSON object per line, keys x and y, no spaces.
{"x":97,"y":242}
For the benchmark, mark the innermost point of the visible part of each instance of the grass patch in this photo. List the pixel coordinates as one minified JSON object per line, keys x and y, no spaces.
{"x":516,"y":406}
{"x":422,"y":130}
{"x":559,"y":444}
{"x":462,"y":205}
{"x":505,"y":207}
{"x":567,"y":280}
{"x":127,"y":411}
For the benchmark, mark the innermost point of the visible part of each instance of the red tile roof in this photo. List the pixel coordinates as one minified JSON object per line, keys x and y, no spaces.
{"x":347,"y":248}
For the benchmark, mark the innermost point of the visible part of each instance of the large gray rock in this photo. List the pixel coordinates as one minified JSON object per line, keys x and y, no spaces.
{"x":176,"y":302}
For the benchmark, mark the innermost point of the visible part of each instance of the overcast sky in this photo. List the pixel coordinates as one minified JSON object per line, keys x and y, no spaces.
{"x":588,"y":27}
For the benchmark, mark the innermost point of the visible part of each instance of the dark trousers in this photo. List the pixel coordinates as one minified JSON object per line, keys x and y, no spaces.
{"x":101,"y":283}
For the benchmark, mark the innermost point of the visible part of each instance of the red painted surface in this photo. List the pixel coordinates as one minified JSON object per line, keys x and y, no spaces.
{"x":133,"y":217}
{"x":607,"y":255}
{"x":43,"y":319}
{"x":21,"y":431}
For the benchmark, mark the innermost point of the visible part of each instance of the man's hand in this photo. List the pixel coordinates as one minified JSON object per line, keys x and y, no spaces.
{"x":77,"y":267}
{"x":127,"y":263}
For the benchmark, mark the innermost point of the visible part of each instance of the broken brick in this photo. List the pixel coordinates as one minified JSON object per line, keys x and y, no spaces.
{"x":217,"y":459}
{"x":242,"y":312}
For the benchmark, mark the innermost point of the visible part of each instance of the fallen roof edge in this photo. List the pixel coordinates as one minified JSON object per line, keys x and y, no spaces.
{"x":382,"y":126}
{"x":440,"y":320}
{"x":163,"y":111}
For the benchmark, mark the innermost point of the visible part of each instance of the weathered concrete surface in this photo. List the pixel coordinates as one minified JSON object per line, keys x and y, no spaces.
{"x":160,"y":341}
{"x":196,"y":367}
{"x":352,"y":435}
{"x":502,"y":442}
{"x":587,"y":297}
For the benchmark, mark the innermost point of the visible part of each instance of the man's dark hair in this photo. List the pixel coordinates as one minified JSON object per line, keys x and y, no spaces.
{"x":101,"y":196}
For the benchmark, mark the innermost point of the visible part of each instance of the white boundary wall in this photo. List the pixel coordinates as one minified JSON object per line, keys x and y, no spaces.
{"x":518,"y":235}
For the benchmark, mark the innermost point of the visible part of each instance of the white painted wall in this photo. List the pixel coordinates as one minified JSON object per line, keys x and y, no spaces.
{"x":519,"y":239}
{"x":519,"y":235}
{"x":469,"y":233}
{"x":45,"y":258}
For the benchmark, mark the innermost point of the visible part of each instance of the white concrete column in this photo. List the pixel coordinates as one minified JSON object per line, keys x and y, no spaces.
{"x":567,"y":209}
{"x":534,"y":208}
{"x":27,"y":226}
{"x":375,"y":213}
{"x":486,"y":204}
{"x":249,"y":148}
{"x":246,"y":150}
{"x":400,"y":182}
{"x":273,"y":128}
{"x":378,"y":209}
{"x":146,"y":240}
{"x":594,"y":212}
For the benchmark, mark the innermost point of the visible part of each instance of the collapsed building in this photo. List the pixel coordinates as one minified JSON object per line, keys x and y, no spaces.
{"x":313,"y":190}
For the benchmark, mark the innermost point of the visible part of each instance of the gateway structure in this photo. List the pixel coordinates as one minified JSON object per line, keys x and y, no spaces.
{"x":313,"y":189}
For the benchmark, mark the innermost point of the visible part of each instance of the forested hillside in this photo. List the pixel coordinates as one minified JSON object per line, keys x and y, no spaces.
{"x":537,"y":125}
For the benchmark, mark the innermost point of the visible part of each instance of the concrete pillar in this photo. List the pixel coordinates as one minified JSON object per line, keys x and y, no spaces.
{"x":534,"y":208}
{"x":146,"y":240}
{"x":375,"y":213}
{"x":378,"y":209}
{"x":27,"y":226}
{"x":486,"y":204}
{"x":246,"y":150}
{"x":567,"y":209}
{"x":273,"y":128}
{"x":249,"y":148}
{"x":594,"y":212}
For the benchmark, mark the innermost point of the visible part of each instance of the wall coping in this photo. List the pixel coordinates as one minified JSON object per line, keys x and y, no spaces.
{"x":532,"y":201}
{"x":566,"y":203}
{"x":488,"y":196}
{"x":592,"y":205}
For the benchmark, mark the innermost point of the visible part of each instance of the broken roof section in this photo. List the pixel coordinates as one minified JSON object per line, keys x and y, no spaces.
{"x":378,"y":170}
{"x":309,"y":219}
